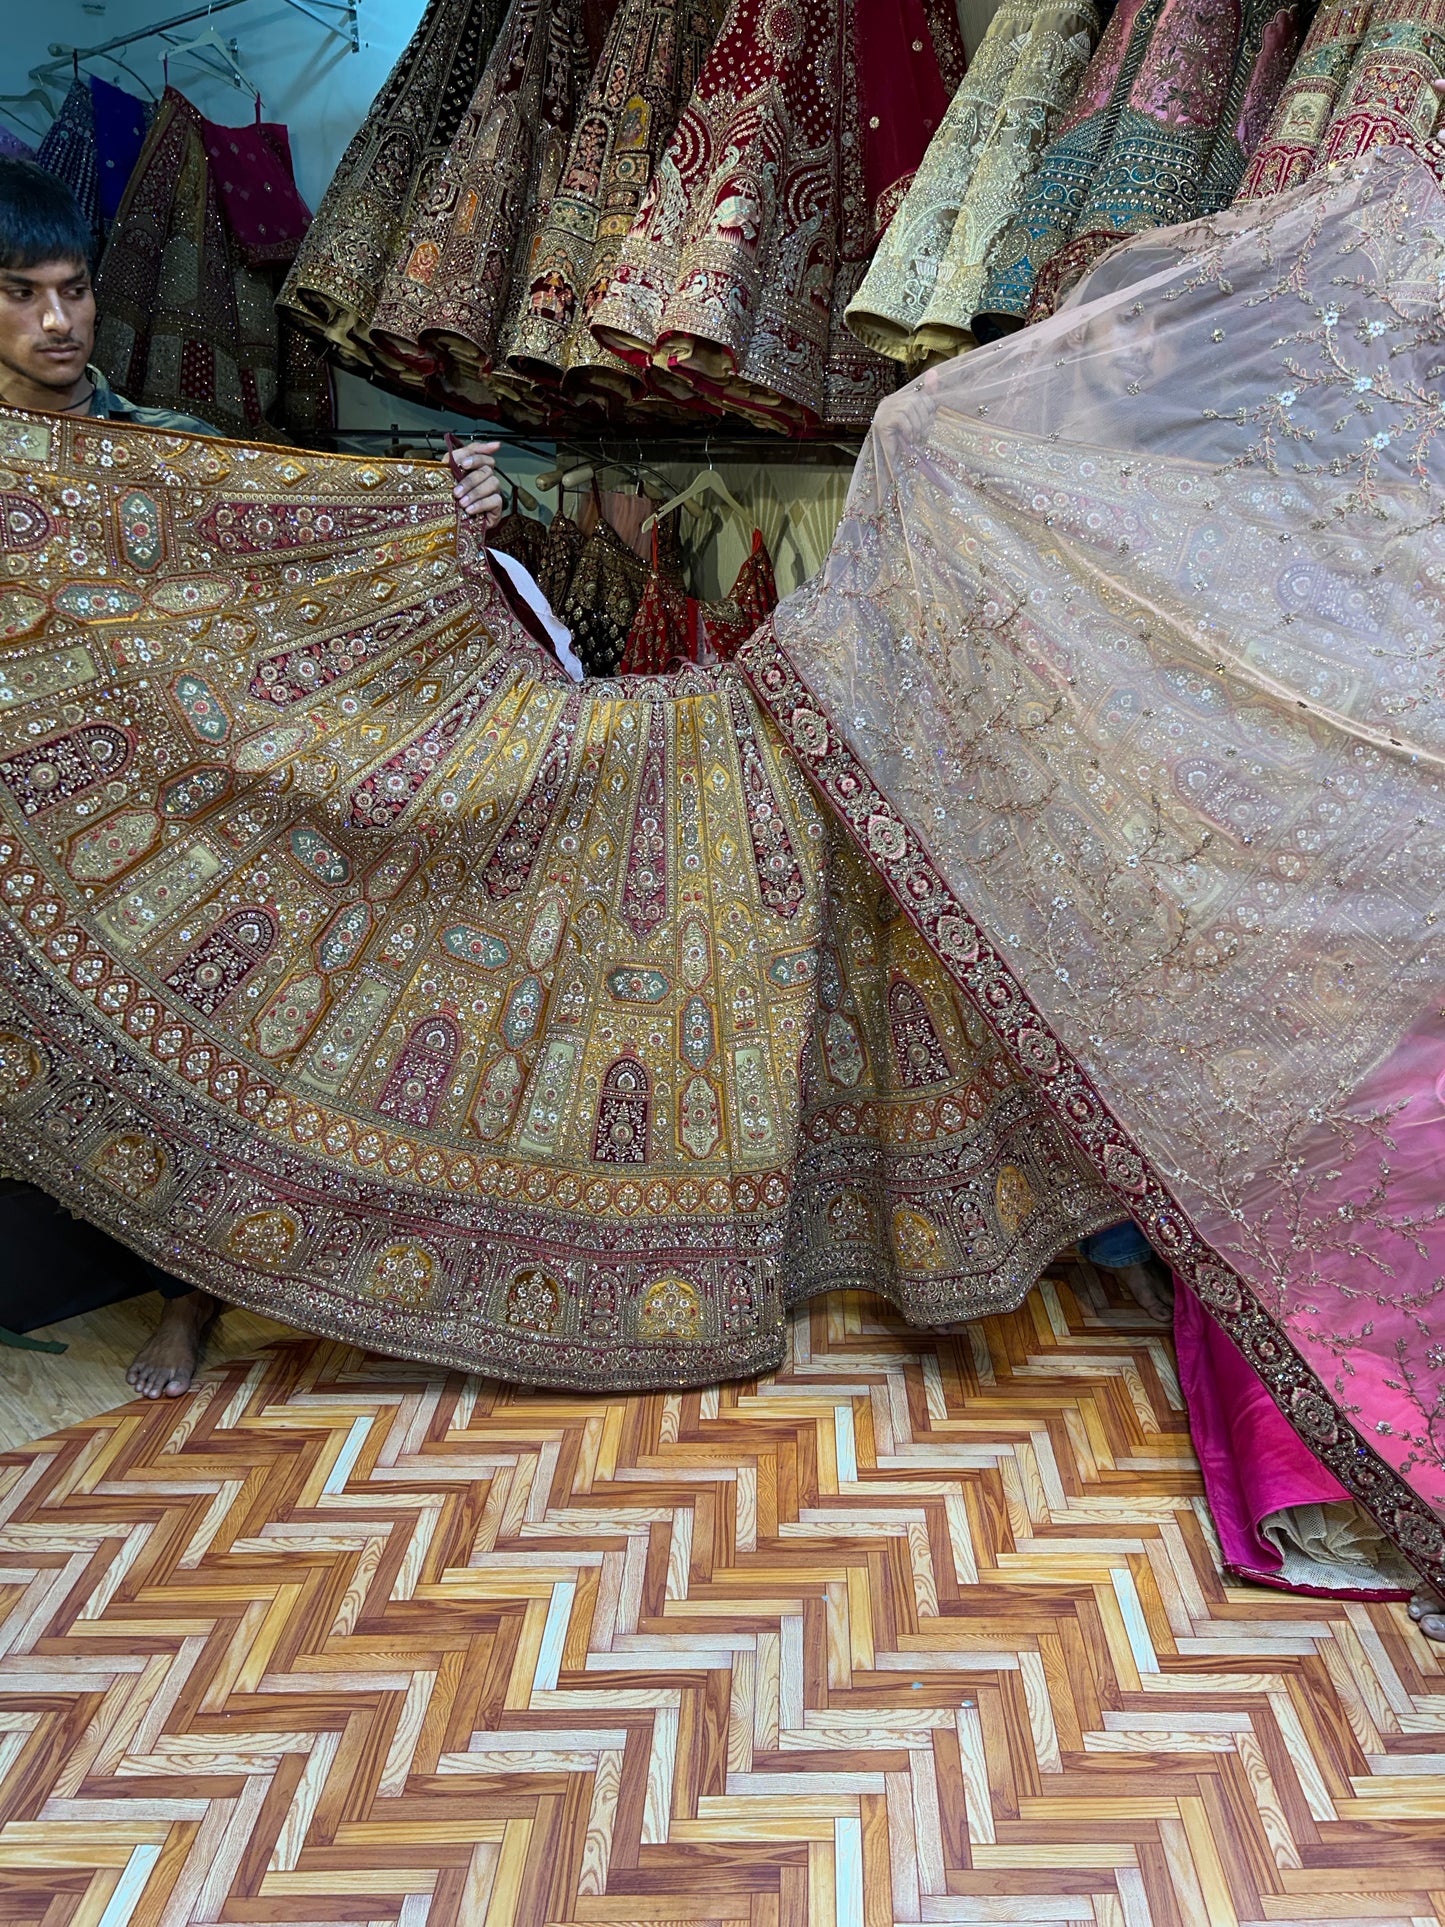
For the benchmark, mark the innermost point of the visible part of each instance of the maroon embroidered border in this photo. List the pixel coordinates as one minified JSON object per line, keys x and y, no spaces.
{"x":908,"y":870}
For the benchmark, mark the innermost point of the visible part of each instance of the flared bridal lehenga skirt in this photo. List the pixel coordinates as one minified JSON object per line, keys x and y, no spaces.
{"x":1070,"y":847}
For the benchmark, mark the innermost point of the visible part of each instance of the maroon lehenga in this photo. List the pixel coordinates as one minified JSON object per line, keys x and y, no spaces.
{"x":733,"y":283}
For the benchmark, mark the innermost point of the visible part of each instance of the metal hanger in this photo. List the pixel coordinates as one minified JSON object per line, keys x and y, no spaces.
{"x":215,"y":55}
{"x":336,"y":16}
{"x":125,"y":67}
{"x":40,"y":97}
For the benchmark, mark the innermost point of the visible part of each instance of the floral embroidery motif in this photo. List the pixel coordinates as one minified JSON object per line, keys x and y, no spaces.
{"x":671,"y":1309}
{"x":132,"y":1164}
{"x":403,"y":1274}
{"x":317,"y":857}
{"x":534,"y":1300}
{"x":138,"y":517}
{"x":205,"y":715}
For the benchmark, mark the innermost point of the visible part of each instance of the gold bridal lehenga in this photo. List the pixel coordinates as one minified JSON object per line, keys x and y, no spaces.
{"x":1072,"y":845}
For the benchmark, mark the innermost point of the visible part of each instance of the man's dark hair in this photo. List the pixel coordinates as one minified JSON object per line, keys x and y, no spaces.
{"x":40,"y":219}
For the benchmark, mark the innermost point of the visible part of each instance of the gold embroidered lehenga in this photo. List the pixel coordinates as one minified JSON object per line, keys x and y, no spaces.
{"x":385,"y":174}
{"x":1071,"y":845}
{"x":548,"y":1031}
{"x":918,"y":299}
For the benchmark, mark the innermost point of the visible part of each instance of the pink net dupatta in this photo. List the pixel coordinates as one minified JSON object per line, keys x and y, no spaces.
{"x":1125,"y":669}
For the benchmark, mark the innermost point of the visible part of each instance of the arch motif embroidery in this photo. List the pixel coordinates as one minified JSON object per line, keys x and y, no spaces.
{"x":623,"y":1114}
{"x":219,"y":965}
{"x":47,"y":774}
{"x":918,"y":1053}
{"x":419,"y":1077}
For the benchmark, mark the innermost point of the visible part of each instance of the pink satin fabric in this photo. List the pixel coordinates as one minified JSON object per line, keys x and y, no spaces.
{"x":1253,"y":1461}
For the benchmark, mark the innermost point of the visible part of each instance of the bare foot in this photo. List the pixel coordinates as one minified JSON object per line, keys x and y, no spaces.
{"x":1427,"y":1609}
{"x":165,"y":1366}
{"x":1151,"y":1288}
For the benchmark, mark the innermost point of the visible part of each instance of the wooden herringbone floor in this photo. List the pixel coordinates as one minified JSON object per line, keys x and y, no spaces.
{"x":924,"y":1629}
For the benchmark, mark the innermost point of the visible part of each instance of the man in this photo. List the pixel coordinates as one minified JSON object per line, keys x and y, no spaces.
{"x":47,"y":336}
{"x":47,"y":327}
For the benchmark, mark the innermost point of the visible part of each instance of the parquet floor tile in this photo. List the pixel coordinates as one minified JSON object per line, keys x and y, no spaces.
{"x":928,"y":1628}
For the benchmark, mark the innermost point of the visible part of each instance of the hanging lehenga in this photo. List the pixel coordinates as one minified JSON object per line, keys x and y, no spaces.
{"x":1363,"y":76}
{"x":733,"y":283}
{"x":120,"y":130}
{"x":1160,"y":133}
{"x":386,"y":172}
{"x":446,"y":300}
{"x":918,"y":299}
{"x":68,"y":151}
{"x":650,"y":64}
{"x":186,"y":300}
{"x":1072,"y":845}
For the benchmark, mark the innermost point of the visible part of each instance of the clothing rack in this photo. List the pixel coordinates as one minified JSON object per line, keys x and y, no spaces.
{"x":336,"y":16}
{"x":614,"y":450}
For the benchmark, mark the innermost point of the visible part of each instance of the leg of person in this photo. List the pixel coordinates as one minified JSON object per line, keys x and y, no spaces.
{"x":1427,"y":1609}
{"x":1124,"y":1250}
{"x":165,"y":1366}
{"x":53,"y":1266}
{"x":56,"y":1267}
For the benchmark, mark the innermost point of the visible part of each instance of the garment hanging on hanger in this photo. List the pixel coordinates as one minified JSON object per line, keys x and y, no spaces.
{"x":386,"y":174}
{"x":602,"y":598}
{"x":520,"y":535}
{"x":68,"y":151}
{"x":1150,"y":140}
{"x":909,"y":60}
{"x":559,"y":556}
{"x":626,"y":512}
{"x":661,"y":634}
{"x":184,"y":321}
{"x":1288,"y":150}
{"x":120,"y":130}
{"x":446,"y":300}
{"x":734,"y":279}
{"x":728,"y":624}
{"x":256,"y":182}
{"x":13,"y":146}
{"x":645,"y":77}
{"x":918,"y":298}
{"x":1363,"y":76}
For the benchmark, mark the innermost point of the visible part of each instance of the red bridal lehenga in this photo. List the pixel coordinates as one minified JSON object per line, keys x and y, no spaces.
{"x":1072,"y":845}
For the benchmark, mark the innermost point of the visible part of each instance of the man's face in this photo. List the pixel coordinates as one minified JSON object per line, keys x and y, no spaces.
{"x":47,"y":322}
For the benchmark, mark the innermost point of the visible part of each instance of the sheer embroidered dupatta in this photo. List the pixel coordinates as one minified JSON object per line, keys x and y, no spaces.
{"x":1125,"y":669}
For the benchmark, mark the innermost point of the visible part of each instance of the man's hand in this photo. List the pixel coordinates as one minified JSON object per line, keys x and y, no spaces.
{"x":479,"y":492}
